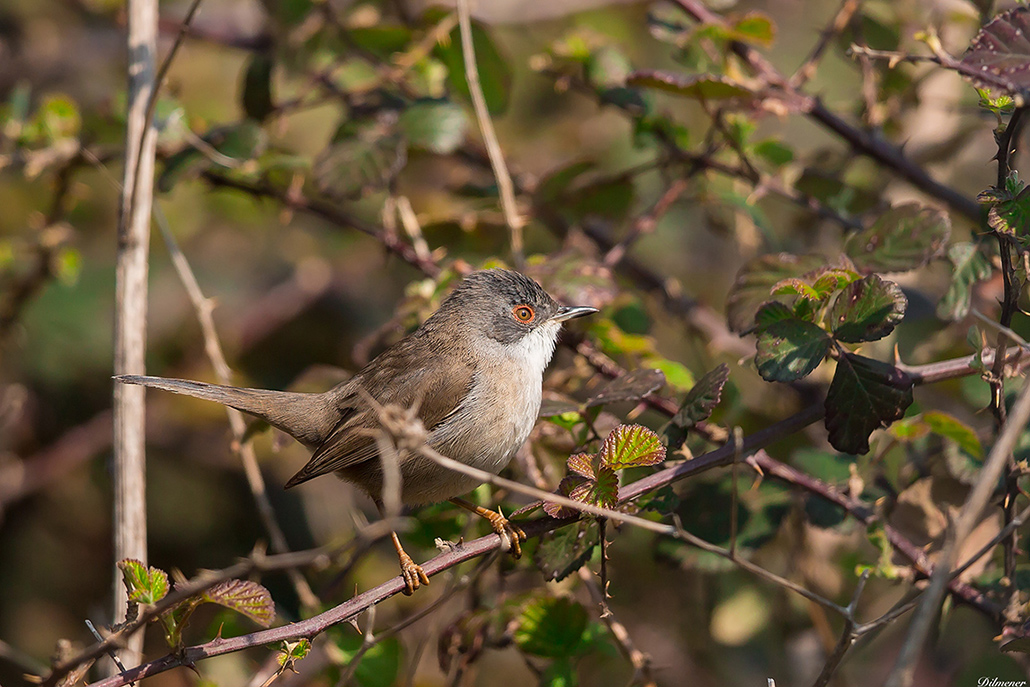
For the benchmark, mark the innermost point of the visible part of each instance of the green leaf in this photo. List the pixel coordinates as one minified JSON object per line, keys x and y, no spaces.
{"x":867,"y":310}
{"x":832,"y":468}
{"x":698,"y":86}
{"x":291,"y":652}
{"x":631,"y":446}
{"x":950,"y":427}
{"x":755,"y":28}
{"x":438,"y":127}
{"x":142,"y":584}
{"x":969,"y":266}
{"x":702,"y":397}
{"x":601,"y":491}
{"x":755,"y":280}
{"x":774,"y":152}
{"x":552,"y":628}
{"x":257,"y":87}
{"x":564,"y":551}
{"x":57,"y":117}
{"x":904,"y":238}
{"x":560,"y":673}
{"x":380,"y":665}
{"x":495,"y":74}
{"x":864,"y":395}
{"x":788,"y":348}
{"x":245,"y":597}
{"x":1008,"y":208}
{"x":381,"y":40}
{"x":792,"y":286}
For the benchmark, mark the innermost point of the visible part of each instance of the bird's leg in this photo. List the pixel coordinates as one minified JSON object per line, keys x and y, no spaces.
{"x":413,"y":574}
{"x":510,"y":534}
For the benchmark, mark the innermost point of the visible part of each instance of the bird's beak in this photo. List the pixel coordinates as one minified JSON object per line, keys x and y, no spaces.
{"x":569,"y":312}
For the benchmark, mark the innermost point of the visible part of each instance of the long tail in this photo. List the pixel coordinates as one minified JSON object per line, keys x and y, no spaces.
{"x":309,"y":418}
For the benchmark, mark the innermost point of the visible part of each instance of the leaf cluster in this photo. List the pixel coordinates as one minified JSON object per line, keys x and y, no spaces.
{"x":148,"y":585}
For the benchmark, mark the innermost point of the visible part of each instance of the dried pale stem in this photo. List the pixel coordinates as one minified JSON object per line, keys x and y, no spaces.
{"x":493,"y":148}
{"x":130,"y":326}
{"x":204,"y":307}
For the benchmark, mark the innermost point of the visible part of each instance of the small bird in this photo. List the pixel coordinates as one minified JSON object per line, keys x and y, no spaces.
{"x":471,"y":373}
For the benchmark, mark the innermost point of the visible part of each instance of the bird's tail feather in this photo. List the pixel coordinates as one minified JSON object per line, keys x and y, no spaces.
{"x":309,"y":418}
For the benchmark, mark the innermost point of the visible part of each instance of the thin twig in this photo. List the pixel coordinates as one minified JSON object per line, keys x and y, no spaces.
{"x":840,"y":21}
{"x":203,"y":307}
{"x":904,"y":669}
{"x":641,"y":661}
{"x":512,"y":218}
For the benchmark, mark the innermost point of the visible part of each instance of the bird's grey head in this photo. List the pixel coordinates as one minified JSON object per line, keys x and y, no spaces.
{"x":506,"y":307}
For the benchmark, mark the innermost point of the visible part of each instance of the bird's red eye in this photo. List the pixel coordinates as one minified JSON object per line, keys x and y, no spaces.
{"x":523,"y":313}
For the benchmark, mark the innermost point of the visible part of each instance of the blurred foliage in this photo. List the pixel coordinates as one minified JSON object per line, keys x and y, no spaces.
{"x":753,"y":249}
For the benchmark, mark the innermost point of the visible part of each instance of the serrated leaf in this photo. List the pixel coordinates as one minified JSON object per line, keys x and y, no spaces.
{"x":631,"y":386}
{"x":245,"y":597}
{"x":602,"y":491}
{"x":702,"y":397}
{"x":564,"y":551}
{"x":999,"y":56}
{"x":583,"y":464}
{"x":904,"y":238}
{"x":753,"y":286}
{"x":792,"y":286}
{"x":565,"y":488}
{"x":864,"y":395}
{"x":257,"y":87}
{"x":788,"y":348}
{"x":969,"y":266}
{"x":698,"y":86}
{"x":867,"y":310}
{"x":142,"y":584}
{"x":495,"y":73}
{"x":438,"y":127}
{"x":631,"y":446}
{"x":551,"y":628}
{"x":1008,"y":207}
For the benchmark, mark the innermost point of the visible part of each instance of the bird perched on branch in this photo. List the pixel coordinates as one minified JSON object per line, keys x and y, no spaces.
{"x":471,"y":374}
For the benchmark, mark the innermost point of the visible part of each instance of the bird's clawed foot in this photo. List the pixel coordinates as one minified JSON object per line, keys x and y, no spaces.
{"x":411,"y":572}
{"x":511,"y":535}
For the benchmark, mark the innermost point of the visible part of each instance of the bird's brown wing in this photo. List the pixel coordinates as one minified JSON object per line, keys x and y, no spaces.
{"x":438,"y":386}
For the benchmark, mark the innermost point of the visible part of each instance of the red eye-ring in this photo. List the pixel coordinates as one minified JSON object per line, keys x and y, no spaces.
{"x":523,"y":313}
